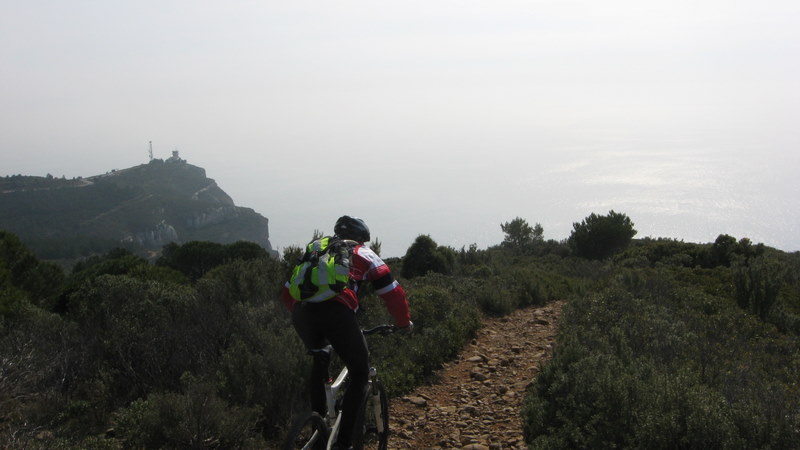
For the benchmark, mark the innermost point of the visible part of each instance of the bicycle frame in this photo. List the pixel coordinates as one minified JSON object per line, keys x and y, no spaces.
{"x":332,"y":420}
{"x":334,"y":417}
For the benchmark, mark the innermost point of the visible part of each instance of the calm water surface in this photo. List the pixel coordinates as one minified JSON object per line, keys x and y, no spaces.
{"x":683,"y":194}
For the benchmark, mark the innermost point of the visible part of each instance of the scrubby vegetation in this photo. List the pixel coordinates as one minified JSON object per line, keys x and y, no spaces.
{"x":681,"y":346}
{"x":664,"y":344}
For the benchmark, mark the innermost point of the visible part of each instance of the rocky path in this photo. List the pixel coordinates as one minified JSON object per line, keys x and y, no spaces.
{"x":476,"y":402}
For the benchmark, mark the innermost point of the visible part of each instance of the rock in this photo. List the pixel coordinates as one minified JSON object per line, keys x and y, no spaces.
{"x":467,"y":440}
{"x":469,"y":409}
{"x":416,"y":401}
{"x":404,"y":434}
{"x":479,"y":376}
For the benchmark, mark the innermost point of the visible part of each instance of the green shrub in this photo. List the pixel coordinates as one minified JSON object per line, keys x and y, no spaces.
{"x":196,"y":258}
{"x":519,"y":234}
{"x":196,"y":418}
{"x":265,"y":368}
{"x":38,"y":282}
{"x":598,"y":237}
{"x":758,"y":283}
{"x":683,"y":413}
{"x":134,"y":329}
{"x":675,"y":368}
{"x":494,"y":300}
{"x":40,"y":358}
{"x":424,"y":256}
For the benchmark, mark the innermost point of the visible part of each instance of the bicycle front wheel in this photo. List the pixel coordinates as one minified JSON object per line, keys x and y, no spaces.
{"x":308,"y":433}
{"x":375,"y":428}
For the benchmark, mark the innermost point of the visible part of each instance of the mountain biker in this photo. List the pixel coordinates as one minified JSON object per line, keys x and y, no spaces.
{"x":334,"y":321}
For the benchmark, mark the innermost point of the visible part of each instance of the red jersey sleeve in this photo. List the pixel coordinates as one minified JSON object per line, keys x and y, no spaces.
{"x":288,"y":301}
{"x":367,"y":265}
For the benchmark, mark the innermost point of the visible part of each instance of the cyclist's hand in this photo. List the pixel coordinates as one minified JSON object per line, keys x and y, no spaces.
{"x":407,"y":329}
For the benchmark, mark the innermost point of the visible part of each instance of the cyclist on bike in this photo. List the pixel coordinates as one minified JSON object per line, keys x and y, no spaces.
{"x":334,"y":321}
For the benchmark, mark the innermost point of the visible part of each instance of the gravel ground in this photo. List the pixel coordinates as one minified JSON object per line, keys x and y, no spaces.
{"x":476,"y":400}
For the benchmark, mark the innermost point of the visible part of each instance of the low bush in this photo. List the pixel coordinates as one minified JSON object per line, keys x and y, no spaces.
{"x":195,"y":418}
{"x":653,"y":363}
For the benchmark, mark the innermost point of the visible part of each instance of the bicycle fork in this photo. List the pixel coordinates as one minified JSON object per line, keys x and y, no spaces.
{"x":376,"y":400}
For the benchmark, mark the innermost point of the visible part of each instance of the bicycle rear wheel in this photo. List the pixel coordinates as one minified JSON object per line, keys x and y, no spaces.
{"x":308,"y":433}
{"x":375,"y":426}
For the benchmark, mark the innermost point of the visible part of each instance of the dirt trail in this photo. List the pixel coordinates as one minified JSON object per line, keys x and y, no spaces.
{"x":476,"y":402}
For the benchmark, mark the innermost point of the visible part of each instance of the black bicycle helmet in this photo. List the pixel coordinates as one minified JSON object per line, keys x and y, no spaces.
{"x":351,"y":228}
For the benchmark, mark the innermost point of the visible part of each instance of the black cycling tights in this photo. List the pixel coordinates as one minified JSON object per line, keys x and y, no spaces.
{"x":332,"y":322}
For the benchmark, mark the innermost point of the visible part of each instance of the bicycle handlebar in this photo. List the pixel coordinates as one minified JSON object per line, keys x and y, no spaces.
{"x":382,"y":329}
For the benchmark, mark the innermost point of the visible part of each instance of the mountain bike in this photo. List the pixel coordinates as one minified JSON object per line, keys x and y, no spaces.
{"x":315,"y":432}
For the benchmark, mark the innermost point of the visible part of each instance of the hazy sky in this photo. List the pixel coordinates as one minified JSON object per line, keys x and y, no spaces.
{"x":425,"y":117}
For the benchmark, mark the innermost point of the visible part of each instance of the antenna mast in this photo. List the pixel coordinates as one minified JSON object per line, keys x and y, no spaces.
{"x":151,"y":150}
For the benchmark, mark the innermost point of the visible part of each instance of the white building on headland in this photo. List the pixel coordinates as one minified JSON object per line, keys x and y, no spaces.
{"x":175,"y":157}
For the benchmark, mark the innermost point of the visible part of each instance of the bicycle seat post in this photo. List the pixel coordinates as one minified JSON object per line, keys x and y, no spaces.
{"x":322,"y":358}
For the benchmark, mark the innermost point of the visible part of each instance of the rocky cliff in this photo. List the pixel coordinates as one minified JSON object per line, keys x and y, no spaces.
{"x":141,"y":208}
